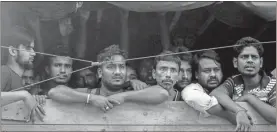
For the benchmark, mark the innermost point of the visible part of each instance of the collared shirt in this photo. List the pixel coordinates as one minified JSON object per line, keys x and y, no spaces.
{"x":266,"y":92}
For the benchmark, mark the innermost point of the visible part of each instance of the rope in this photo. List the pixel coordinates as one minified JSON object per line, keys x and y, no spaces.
{"x":44,"y":53}
{"x":138,"y":58}
{"x":22,"y":88}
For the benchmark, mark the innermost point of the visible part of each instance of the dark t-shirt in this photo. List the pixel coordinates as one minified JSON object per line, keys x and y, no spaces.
{"x":9,"y":79}
{"x":234,"y":86}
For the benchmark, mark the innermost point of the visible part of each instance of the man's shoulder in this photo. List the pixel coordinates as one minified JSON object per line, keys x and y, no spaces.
{"x":5,"y":72}
{"x":235,"y":79}
{"x":5,"y":69}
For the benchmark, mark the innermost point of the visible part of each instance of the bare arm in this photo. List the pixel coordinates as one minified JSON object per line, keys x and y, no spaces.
{"x":267,"y":111}
{"x":152,"y":95}
{"x":10,"y":97}
{"x":65,"y":94}
{"x":224,"y":99}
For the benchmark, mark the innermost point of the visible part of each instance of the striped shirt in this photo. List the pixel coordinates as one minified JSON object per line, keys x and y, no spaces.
{"x":266,"y":92}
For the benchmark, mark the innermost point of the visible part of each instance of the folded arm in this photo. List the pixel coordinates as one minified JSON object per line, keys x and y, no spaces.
{"x":267,"y":111}
{"x":152,"y":95}
{"x":65,"y":94}
{"x":10,"y":97}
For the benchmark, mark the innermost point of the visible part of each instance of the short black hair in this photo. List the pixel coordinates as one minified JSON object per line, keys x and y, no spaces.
{"x":248,"y":42}
{"x":59,"y":49}
{"x":110,"y":51}
{"x":210,"y":54}
{"x":171,"y":58}
{"x":184,"y":56}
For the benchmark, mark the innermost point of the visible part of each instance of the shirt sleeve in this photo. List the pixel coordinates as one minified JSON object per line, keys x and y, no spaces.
{"x":196,"y":97}
{"x":226,"y":87}
{"x":4,"y":79}
{"x":272,"y":96}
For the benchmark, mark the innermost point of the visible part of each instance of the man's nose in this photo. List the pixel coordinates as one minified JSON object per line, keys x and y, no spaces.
{"x":62,"y":69}
{"x":212,"y":73}
{"x":168,"y":74}
{"x":250,"y":59}
{"x":117,"y":70}
{"x":185,"y":75}
{"x":33,"y":52}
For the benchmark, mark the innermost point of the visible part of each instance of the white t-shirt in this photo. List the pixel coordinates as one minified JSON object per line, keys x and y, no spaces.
{"x":196,"y":97}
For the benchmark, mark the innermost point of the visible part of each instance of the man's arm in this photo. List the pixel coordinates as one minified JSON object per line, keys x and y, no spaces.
{"x":222,"y":94}
{"x":65,"y":94}
{"x":267,"y":111}
{"x":195,"y":96}
{"x":152,"y":95}
{"x":10,"y":97}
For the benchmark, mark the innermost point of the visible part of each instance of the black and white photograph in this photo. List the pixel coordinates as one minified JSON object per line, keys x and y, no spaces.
{"x":138,"y":66}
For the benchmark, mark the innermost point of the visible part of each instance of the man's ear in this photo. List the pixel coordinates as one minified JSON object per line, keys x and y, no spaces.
{"x":47,"y":70}
{"x":261,"y":62}
{"x":99,"y":72}
{"x":235,"y":62}
{"x":154,"y":73}
{"x":12,"y":51}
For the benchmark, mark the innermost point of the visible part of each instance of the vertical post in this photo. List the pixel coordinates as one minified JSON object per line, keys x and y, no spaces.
{"x":124,"y":36}
{"x":164,"y":31}
{"x":82,"y":35}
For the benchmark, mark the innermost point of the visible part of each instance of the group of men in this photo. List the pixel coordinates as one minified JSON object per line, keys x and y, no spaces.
{"x":116,"y":82}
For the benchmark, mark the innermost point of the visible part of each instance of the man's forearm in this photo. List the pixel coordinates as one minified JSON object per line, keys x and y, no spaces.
{"x":151,"y":95}
{"x":10,"y":97}
{"x":65,"y":94}
{"x":220,"y":112}
{"x":266,"y":111}
{"x":226,"y":102}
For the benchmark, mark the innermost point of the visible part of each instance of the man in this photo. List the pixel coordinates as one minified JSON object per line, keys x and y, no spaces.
{"x":145,"y":71}
{"x":209,"y":75}
{"x":85,"y":78}
{"x":131,"y":73}
{"x":28,"y":78}
{"x":166,"y":72}
{"x":112,"y":71}
{"x":20,"y":57}
{"x":185,"y":69}
{"x":252,"y":85}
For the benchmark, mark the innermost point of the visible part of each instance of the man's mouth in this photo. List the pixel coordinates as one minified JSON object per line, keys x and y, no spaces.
{"x":249,"y":67}
{"x":117,"y":78}
{"x":167,"y":82}
{"x":213,"y":82}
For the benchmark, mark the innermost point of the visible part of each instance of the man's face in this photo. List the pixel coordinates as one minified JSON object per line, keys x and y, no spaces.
{"x":185,"y":73}
{"x":60,"y":65}
{"x":131,"y":74}
{"x":26,"y":55}
{"x":248,"y":62}
{"x":209,"y":73}
{"x":28,"y":78}
{"x":113,"y":72}
{"x":145,"y":72}
{"x":166,"y":74}
{"x":86,"y":78}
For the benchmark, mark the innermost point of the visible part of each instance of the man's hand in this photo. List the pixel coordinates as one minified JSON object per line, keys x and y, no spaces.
{"x":245,"y":98}
{"x":244,"y":122}
{"x":138,"y":85}
{"x":119,"y":98}
{"x":36,"y":109}
{"x":41,"y":99}
{"x":102,"y":102}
